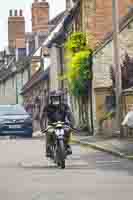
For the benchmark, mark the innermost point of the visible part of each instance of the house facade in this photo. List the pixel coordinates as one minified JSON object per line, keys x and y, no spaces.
{"x":12,"y":77}
{"x":103,"y":60}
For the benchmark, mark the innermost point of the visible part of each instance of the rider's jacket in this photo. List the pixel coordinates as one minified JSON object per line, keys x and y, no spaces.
{"x":55,"y":113}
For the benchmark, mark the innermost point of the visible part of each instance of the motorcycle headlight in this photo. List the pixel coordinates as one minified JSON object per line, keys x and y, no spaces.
{"x":59,"y":132}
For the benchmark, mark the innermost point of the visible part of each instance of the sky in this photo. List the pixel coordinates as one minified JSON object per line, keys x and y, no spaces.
{"x":56,"y":6}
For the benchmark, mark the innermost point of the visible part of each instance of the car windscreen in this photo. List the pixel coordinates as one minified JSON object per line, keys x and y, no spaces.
{"x":12,"y":110}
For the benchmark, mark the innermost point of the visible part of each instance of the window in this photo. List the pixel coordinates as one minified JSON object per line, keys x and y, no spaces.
{"x":46,"y":62}
{"x":110,"y":103}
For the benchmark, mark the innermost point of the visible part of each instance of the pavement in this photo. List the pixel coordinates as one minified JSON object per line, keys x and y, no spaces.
{"x":116,"y":146}
{"x":26,"y":174}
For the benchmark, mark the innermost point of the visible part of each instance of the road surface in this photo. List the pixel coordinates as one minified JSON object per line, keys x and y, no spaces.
{"x":25,"y":174}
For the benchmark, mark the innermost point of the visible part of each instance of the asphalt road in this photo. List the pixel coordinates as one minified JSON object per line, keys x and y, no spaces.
{"x":25,"y":174}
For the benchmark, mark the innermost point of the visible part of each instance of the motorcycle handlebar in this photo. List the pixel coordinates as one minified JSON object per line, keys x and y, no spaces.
{"x":67,"y":124}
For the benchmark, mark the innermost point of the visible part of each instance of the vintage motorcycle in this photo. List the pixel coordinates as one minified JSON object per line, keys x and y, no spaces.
{"x":59,"y":146}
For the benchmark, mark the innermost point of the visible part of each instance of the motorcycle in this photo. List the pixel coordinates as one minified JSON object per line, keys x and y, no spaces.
{"x":59,"y":146}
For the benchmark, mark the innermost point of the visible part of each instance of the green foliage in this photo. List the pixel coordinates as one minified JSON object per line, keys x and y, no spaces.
{"x":107,"y":116}
{"x":80,"y":61}
{"x":76,"y":42}
{"x":79,"y":73}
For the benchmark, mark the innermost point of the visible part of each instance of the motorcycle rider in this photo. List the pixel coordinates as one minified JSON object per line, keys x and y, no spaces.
{"x":56,"y":110}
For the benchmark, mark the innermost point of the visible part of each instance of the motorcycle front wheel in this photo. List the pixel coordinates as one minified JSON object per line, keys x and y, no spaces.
{"x":61,"y":154}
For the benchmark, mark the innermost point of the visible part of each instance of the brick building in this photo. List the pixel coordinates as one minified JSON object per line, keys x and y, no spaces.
{"x":97,"y":16}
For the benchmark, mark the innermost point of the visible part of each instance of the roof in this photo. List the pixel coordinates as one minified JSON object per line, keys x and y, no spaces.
{"x":56,"y":20}
{"x":7,"y":69}
{"x":52,"y":23}
{"x":38,"y":76}
{"x":61,"y":27}
{"x":13,"y":67}
{"x":63,"y":20}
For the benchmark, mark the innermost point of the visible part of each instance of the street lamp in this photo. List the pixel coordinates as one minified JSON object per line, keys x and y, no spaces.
{"x":118,"y":81}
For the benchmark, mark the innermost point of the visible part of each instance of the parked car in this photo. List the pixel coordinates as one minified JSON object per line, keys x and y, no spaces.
{"x":15,"y":121}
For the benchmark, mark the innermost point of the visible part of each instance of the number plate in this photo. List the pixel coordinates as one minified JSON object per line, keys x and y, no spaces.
{"x":14,"y":126}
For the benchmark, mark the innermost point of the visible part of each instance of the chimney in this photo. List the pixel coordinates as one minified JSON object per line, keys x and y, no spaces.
{"x":16,"y":13}
{"x":10,"y":13}
{"x":21,"y":13}
{"x":40,"y":16}
{"x":16,"y":30}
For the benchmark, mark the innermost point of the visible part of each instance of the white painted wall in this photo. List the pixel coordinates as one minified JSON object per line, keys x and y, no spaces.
{"x":8,"y":90}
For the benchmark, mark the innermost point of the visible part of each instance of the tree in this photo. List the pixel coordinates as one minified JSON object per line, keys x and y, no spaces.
{"x":79,"y":73}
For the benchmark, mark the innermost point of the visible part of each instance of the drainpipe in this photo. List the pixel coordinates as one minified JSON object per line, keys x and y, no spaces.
{"x":61,"y":66}
{"x":91,"y":93}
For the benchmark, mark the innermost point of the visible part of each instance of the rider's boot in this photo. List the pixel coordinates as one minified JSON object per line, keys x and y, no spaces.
{"x":69,"y":149}
{"x":48,"y":151}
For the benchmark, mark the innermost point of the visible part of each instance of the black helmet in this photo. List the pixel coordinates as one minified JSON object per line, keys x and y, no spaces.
{"x":56,"y":96}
